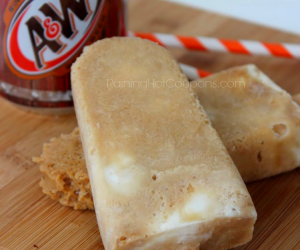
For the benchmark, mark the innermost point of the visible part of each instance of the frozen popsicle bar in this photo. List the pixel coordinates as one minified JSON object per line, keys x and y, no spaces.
{"x":258,"y":122}
{"x":54,"y":165}
{"x":161,"y":178}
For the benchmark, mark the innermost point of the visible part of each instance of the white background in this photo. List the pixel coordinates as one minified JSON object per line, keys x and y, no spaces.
{"x":279,"y":14}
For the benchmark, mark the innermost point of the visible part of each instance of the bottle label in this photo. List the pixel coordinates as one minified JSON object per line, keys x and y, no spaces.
{"x":42,"y":37}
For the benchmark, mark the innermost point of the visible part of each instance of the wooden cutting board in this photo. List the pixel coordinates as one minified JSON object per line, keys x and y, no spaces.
{"x":30,"y":220}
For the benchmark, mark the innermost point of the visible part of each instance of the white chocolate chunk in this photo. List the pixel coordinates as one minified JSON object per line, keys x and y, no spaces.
{"x":122,"y":176}
{"x":199,"y":206}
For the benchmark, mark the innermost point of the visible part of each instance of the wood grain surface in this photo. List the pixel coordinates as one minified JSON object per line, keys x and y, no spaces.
{"x":30,"y":220}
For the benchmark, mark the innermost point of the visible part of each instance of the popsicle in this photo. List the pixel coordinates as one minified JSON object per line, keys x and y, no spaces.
{"x":64,"y":174}
{"x":258,"y":122}
{"x":160,"y":176}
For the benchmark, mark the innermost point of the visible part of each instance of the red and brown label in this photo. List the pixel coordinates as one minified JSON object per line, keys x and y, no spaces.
{"x":42,"y":35}
{"x":42,"y":38}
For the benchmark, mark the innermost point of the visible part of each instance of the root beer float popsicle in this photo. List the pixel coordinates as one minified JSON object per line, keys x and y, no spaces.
{"x":258,"y":122}
{"x":160,"y":175}
{"x":65,"y":178}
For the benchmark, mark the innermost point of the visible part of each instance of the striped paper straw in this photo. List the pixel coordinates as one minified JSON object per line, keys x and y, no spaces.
{"x":193,"y":73}
{"x":210,"y":44}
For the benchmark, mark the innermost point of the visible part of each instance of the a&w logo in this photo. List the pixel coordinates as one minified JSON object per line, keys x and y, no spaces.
{"x":44,"y":34}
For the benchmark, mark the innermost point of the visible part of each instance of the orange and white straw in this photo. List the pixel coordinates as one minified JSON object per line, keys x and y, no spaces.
{"x":209,"y":44}
{"x":193,"y":73}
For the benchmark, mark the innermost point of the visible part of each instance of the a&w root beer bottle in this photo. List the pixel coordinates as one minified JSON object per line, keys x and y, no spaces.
{"x":40,"y":39}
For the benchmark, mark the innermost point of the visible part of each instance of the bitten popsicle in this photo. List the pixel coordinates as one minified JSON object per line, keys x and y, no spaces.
{"x":160,"y":176}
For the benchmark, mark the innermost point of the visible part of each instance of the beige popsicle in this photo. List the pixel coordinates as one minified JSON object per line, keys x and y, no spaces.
{"x":258,"y":122}
{"x":65,"y":177}
{"x":160,"y":176}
